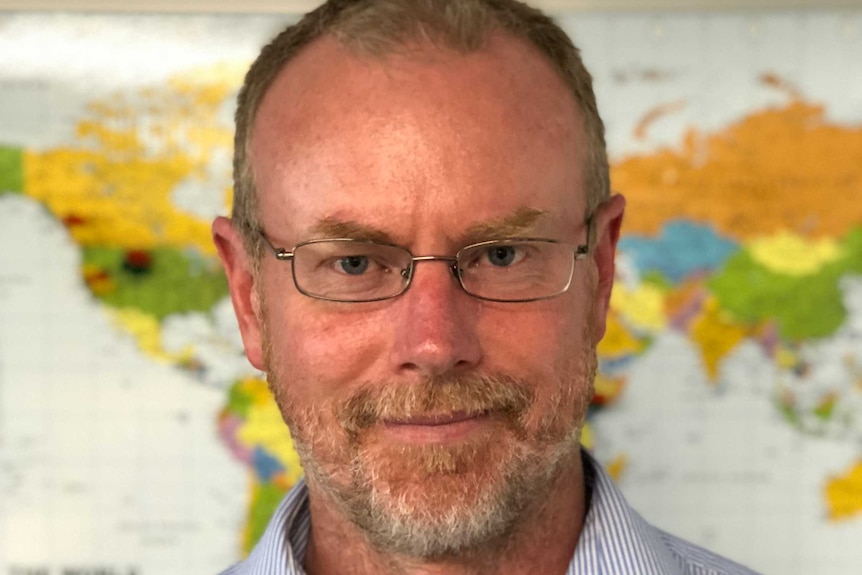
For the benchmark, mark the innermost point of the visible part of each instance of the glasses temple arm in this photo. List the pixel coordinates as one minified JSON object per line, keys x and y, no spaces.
{"x":583,"y":250}
{"x":279,"y":253}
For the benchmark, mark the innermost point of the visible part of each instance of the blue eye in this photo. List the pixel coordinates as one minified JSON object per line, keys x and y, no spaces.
{"x":353,"y":265}
{"x":501,"y":255}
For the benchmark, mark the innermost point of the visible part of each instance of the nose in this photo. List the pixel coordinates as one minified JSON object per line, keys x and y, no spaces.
{"x":435,"y":324}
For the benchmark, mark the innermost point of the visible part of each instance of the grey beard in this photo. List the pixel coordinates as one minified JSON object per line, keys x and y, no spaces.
{"x":457,"y":507}
{"x":481,"y":524}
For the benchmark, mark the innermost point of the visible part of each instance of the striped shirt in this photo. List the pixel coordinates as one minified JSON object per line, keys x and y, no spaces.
{"x":615,"y":540}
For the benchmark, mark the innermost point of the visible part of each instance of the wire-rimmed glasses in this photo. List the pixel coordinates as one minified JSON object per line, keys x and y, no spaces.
{"x":501,"y":270}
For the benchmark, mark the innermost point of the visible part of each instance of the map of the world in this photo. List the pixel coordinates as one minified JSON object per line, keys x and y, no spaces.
{"x":136,"y":439}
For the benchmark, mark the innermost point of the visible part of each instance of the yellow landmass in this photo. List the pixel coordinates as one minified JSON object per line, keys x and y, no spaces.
{"x":119,"y":202}
{"x":146,"y":331}
{"x":617,"y":466}
{"x":775,"y":170}
{"x":642,"y":307}
{"x":786,"y":358}
{"x":587,"y":437}
{"x":716,"y":334}
{"x":618,"y":340}
{"x":228,"y":198}
{"x":114,"y":185}
{"x":265,"y":428}
{"x":792,"y":254}
{"x":257,"y":389}
{"x":607,"y":389}
{"x":844,"y":494}
{"x":211,"y":85}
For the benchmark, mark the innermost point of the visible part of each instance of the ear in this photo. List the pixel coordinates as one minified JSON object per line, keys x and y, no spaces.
{"x":606,"y":221}
{"x":241,"y":281}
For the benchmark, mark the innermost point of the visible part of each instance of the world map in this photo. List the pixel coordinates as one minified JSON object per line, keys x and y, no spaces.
{"x":135,"y":438}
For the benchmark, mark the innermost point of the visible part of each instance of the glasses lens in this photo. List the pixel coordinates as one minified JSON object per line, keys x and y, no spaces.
{"x":346,"y":270}
{"x":516,"y":270}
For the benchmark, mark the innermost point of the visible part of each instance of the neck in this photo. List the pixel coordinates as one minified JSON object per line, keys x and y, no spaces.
{"x":543,"y":542}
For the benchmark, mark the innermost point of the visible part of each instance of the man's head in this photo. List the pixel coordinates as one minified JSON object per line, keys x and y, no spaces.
{"x":435,"y":422}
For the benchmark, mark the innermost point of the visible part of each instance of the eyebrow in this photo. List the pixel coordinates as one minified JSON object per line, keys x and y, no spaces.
{"x":507,"y":226}
{"x":335,"y":228}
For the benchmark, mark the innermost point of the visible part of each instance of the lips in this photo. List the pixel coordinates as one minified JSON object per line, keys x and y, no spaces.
{"x":432,"y":420}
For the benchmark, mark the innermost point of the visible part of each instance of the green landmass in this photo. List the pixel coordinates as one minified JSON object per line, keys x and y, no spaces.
{"x":174,"y":281}
{"x":658,"y":279}
{"x":789,"y":413}
{"x":11,"y":170}
{"x":825,"y":411}
{"x":803,"y":307}
{"x":852,"y":246}
{"x":239,"y":401}
{"x":265,"y":500}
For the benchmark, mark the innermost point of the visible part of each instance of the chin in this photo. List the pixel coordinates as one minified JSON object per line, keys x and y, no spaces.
{"x":439,"y":501}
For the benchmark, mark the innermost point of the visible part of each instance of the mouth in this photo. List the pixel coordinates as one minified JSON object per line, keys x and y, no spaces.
{"x":436,"y":428}
{"x":433,"y":420}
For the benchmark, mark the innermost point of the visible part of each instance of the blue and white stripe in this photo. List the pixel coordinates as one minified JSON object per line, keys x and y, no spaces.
{"x":281,"y":548}
{"x":615,"y":540}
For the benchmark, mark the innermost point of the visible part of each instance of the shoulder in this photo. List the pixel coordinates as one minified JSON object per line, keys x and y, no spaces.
{"x":617,"y":540}
{"x":695,"y":560}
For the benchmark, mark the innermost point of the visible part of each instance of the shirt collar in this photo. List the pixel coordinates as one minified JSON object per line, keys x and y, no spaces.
{"x":615,"y":540}
{"x":281,"y":549}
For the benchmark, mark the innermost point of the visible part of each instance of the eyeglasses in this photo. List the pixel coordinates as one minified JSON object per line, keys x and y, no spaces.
{"x":506,"y":270}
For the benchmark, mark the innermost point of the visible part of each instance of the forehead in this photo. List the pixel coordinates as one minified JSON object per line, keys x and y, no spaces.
{"x":423,"y":133}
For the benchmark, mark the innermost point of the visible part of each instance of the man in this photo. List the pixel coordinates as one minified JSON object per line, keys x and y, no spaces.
{"x":421,"y":257}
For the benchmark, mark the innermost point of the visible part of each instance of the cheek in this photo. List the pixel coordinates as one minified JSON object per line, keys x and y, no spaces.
{"x":547,"y":347}
{"x":325,"y":351}
{"x":538,"y":342}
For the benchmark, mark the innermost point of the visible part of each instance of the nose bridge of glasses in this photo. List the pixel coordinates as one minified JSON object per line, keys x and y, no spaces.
{"x":451,"y":260}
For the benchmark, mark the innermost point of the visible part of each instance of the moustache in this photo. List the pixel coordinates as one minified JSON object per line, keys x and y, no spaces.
{"x":374,"y":403}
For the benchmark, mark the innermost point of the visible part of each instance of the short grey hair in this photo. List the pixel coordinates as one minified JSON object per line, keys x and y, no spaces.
{"x":379,"y":27}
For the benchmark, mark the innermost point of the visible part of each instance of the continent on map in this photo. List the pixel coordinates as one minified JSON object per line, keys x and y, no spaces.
{"x":844,"y":494}
{"x":776,"y":170}
{"x":752,"y":235}
{"x":618,"y":348}
{"x":122,"y":192}
{"x":116,"y":186}
{"x":716,"y":334}
{"x":160,"y":282}
{"x":680,"y":249}
{"x":767,"y":283}
{"x":11,"y":170}
{"x":135,"y":190}
{"x":251,"y":426}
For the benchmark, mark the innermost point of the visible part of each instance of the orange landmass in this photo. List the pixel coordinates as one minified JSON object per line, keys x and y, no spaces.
{"x":654,"y":115}
{"x":779,"y":169}
{"x":779,"y":83}
{"x":716,"y":334}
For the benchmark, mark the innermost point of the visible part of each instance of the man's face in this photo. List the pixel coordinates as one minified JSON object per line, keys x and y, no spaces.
{"x":434,"y":420}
